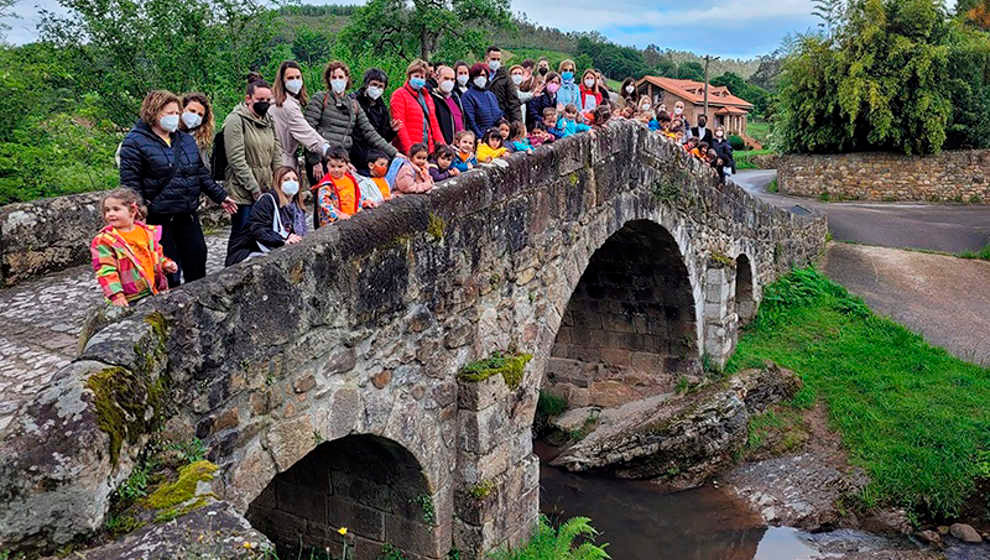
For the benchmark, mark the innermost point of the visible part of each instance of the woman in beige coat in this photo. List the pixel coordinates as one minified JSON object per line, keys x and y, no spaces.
{"x":287,"y":114}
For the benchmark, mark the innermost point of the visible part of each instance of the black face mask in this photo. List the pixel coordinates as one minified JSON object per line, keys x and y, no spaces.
{"x":543,"y":71}
{"x":261,"y":108}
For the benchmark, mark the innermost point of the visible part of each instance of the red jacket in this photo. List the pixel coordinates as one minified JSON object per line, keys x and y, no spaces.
{"x":406,"y":107}
{"x":585,"y":92}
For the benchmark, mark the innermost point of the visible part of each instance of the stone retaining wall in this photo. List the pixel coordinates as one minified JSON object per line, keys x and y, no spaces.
{"x":52,"y":234}
{"x":952,"y":176}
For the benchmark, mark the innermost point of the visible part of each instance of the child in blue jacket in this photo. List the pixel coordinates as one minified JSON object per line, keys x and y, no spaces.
{"x":568,"y":122}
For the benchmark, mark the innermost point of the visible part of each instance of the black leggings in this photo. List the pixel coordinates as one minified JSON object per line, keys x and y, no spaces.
{"x":183,"y":242}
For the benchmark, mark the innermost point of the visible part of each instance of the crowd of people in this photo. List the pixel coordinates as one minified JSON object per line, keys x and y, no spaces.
{"x":359,"y":153}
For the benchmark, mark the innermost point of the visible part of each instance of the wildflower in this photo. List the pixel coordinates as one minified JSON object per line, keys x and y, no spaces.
{"x":342,"y":530}
{"x":249,"y":545}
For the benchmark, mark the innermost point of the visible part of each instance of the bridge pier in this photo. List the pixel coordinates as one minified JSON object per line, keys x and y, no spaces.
{"x":721,"y":320}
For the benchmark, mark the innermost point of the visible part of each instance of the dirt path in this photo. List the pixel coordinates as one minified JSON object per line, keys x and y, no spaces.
{"x":945,"y":299}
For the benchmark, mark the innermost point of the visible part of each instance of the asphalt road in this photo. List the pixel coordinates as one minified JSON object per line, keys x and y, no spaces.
{"x":944,"y":298}
{"x":937,"y":227}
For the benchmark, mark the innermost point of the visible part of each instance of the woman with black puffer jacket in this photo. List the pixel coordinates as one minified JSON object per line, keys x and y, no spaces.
{"x":164,"y":165}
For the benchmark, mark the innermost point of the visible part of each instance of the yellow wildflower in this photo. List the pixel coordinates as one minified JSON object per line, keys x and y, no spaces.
{"x":342,"y":530}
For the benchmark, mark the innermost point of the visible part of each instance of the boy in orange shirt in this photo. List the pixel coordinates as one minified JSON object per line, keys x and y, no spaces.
{"x":378,"y":165}
{"x":338,"y":196}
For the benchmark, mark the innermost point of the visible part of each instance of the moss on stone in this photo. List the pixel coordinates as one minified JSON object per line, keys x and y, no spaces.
{"x":436,"y":227}
{"x":573,"y":178}
{"x":511,"y":368}
{"x":172,"y":513}
{"x":182,"y":490}
{"x":723,"y":259}
{"x":121,"y":399}
{"x":482,"y":489}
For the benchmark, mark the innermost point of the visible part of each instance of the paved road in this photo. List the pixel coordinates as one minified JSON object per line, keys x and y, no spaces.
{"x":945,"y":299}
{"x":41,"y":320}
{"x":938,"y":227}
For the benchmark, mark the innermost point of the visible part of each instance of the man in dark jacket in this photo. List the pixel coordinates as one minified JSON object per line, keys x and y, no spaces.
{"x":370,"y":98}
{"x":450,"y":112}
{"x":701,"y":132}
{"x":500,"y":84}
{"x":170,"y":177}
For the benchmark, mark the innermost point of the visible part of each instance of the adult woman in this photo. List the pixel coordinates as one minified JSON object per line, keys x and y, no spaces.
{"x":290,"y":124}
{"x":568,"y":92}
{"x":724,"y":150}
{"x":340,"y":119}
{"x":602,"y":85}
{"x":253,"y":149}
{"x":370,"y":98}
{"x":197,"y":120}
{"x":273,"y":220}
{"x":413,"y":105}
{"x":481,"y":109}
{"x":462,"y":73}
{"x":535,"y":107}
{"x":590,"y":96}
{"x":164,"y":166}
{"x":627,"y":94}
{"x":524,"y":83}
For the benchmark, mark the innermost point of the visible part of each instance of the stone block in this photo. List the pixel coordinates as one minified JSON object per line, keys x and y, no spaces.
{"x":478,"y":395}
{"x":412,"y":536}
{"x":363,"y":520}
{"x":479,"y":431}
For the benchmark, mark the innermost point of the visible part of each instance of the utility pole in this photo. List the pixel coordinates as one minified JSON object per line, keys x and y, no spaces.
{"x":708,"y":58}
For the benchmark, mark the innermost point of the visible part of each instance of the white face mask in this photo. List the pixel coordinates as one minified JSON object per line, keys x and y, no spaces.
{"x":290,"y":188}
{"x":447,"y":86}
{"x":481,"y":82}
{"x":338,"y":85}
{"x":169,"y":122}
{"x":517,"y":79}
{"x":589,"y":83}
{"x":374,"y":92}
{"x":630,"y":88}
{"x":678,"y":110}
{"x":462,"y":79}
{"x":191,"y":120}
{"x":644,"y":107}
{"x":294,"y":86}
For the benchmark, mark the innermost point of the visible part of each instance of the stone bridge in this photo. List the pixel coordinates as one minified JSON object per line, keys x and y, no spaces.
{"x":328,"y":379}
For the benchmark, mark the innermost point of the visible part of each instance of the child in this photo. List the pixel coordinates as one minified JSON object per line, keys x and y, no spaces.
{"x":127,"y":254}
{"x":602,"y":114}
{"x":690,"y":145}
{"x":441,"y":163}
{"x":538,"y":136}
{"x":414,"y":176}
{"x":378,"y":166}
{"x":568,"y":122}
{"x":504,"y":129}
{"x":338,"y":194}
{"x":550,"y":123}
{"x":465,"y":161}
{"x":517,"y":137}
{"x":272,"y":222}
{"x":490,"y":148}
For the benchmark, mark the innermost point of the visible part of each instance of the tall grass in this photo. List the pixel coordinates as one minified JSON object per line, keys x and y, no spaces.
{"x":916,"y":418}
{"x":982,"y":254}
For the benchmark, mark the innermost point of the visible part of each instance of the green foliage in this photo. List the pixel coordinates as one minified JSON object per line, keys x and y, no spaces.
{"x":691,"y":71}
{"x":912,"y":415}
{"x":192,"y":451}
{"x":136,"y":485}
{"x":614,"y":61}
{"x":744,"y":159}
{"x":511,"y":368}
{"x":558,"y":544}
{"x":389,"y":552}
{"x":882,"y":83}
{"x":550,"y":404}
{"x":737,"y":142}
{"x":449,"y":29}
{"x":425,"y":503}
{"x":174,"y":493}
{"x":311,"y":46}
{"x":482,"y":490}
{"x":982,"y":254}
{"x":739,"y":87}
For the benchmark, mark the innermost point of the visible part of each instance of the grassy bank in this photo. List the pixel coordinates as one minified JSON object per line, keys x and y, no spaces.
{"x":982,"y":254}
{"x":916,"y":418}
{"x":744,"y":158}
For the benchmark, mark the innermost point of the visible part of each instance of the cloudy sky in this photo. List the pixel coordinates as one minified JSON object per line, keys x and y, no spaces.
{"x":736,"y":28}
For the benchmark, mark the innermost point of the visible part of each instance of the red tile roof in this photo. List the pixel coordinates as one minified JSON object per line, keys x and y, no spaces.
{"x":694,"y":92}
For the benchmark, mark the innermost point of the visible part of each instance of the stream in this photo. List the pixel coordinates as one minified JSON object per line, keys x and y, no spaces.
{"x":640,"y":522}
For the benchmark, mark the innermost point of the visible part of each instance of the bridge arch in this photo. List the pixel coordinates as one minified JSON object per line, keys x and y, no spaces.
{"x":371,"y":485}
{"x":630,"y":324}
{"x":745,"y":297}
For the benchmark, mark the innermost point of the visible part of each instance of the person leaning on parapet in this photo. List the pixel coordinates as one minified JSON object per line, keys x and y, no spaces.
{"x":371,"y":97}
{"x":499,"y":84}
{"x":290,"y":125}
{"x":164,"y":166}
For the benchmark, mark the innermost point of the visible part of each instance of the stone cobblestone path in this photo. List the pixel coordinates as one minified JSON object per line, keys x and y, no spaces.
{"x":40,"y":322}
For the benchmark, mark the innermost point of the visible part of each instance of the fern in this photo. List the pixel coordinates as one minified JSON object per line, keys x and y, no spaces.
{"x":558,"y":544}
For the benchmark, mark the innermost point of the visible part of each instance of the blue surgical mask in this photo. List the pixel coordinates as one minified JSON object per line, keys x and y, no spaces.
{"x":191,"y":120}
{"x":290,"y":188}
{"x":494,"y":65}
{"x":169,"y":122}
{"x":567,"y":76}
{"x":417,"y":83}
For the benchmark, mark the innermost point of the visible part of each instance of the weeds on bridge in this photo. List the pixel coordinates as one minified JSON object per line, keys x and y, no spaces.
{"x":915,"y":417}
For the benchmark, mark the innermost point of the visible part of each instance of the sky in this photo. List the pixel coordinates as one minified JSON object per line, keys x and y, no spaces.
{"x":728,"y":28}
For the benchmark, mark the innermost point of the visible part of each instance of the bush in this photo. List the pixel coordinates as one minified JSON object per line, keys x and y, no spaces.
{"x":558,"y":544}
{"x":737,"y":142}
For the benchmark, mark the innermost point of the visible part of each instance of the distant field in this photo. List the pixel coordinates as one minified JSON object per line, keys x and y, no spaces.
{"x":759,"y":129}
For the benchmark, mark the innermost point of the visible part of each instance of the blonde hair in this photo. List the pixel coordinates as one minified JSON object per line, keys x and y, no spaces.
{"x":129,"y":197}
{"x":204,"y":133}
{"x":154,"y":103}
{"x":417,"y":65}
{"x":566,"y":62}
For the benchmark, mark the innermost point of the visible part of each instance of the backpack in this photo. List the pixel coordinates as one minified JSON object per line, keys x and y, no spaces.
{"x":218,"y":159}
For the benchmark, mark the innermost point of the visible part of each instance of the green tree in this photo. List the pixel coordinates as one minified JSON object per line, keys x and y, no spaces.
{"x":123,"y":48}
{"x":756,"y":95}
{"x":879,"y":85}
{"x":311,"y":46}
{"x":6,"y":11}
{"x":425,"y":28}
{"x":691,"y":71}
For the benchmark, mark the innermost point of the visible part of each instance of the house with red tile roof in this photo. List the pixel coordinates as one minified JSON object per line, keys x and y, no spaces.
{"x":725,"y":110}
